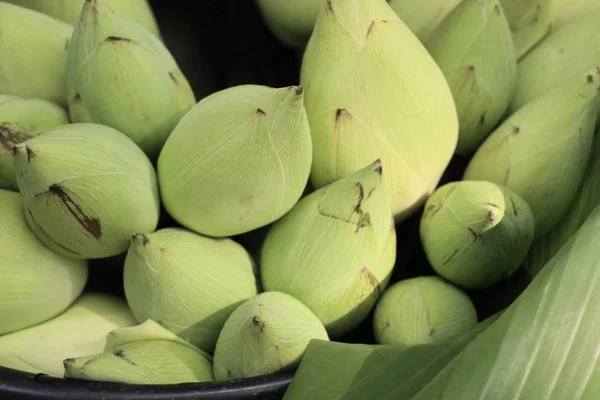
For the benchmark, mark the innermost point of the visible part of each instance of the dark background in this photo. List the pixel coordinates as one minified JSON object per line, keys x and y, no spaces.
{"x":223,"y":43}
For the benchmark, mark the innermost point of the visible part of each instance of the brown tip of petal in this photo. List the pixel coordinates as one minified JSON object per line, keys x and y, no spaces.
{"x":299,"y":90}
{"x":140,"y":238}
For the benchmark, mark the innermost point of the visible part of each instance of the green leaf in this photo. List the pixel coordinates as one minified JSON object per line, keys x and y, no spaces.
{"x":545,"y":346}
{"x":333,"y":370}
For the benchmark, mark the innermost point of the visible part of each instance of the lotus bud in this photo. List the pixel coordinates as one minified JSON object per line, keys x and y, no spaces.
{"x":69,"y":10}
{"x":78,"y":332}
{"x":121,"y":75}
{"x":529,"y":22}
{"x":86,"y":189}
{"x":266,"y":334}
{"x":564,"y":11}
{"x":291,"y":22}
{"x":37,"y":284}
{"x":238,"y":161}
{"x":422,"y":310}
{"x":541,"y":151}
{"x":33,"y":54}
{"x":377,"y":94}
{"x":188,"y":283}
{"x":564,"y":55}
{"x":423,"y":17}
{"x":475,"y":233}
{"x":20,"y":120}
{"x":344,"y":235}
{"x":474,"y":48}
{"x":146,"y":354}
{"x":586,"y":200}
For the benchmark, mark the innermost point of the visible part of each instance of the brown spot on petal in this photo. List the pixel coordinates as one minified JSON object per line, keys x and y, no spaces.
{"x":10,"y":136}
{"x":590,"y":78}
{"x":516,"y":130}
{"x":299,"y":90}
{"x":90,"y":224}
{"x":30,"y":153}
{"x":482,"y":119}
{"x":497,"y":9}
{"x":375,"y":22}
{"x":515,"y":211}
{"x":119,"y":353}
{"x":260,"y":111}
{"x":173,"y":77}
{"x":117,"y":39}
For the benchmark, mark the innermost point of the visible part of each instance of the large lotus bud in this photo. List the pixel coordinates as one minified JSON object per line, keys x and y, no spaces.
{"x":476,"y":233}
{"x":423,"y":17}
{"x":335,"y":250}
{"x":20,"y":120}
{"x":186,"y":282}
{"x":586,"y":200}
{"x":529,"y":22}
{"x":121,"y":75}
{"x":266,"y":334}
{"x":566,"y":54}
{"x":374,"y":92}
{"x":474,"y":48}
{"x":144,"y":354}
{"x":422,"y":310}
{"x":33,"y":54}
{"x":541,"y":151}
{"x":564,"y":11}
{"x":86,"y":189}
{"x":69,"y":10}
{"x":239,"y":160}
{"x":36,"y":284}
{"x":291,"y":22}
{"x":78,"y":332}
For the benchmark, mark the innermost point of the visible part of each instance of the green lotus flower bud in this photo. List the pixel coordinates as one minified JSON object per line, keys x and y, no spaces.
{"x":291,"y":22}
{"x":476,"y":233}
{"x":586,"y":200}
{"x":483,"y":74}
{"x":36,"y":283}
{"x":564,"y":11}
{"x":20,"y":120}
{"x":153,"y":355}
{"x":33,"y":54}
{"x":69,"y":10}
{"x":423,"y":17}
{"x":266,"y":334}
{"x":344,"y":235}
{"x":78,"y":332}
{"x":377,"y":94}
{"x":238,"y":161}
{"x":529,"y":22}
{"x":86,"y":189}
{"x":564,"y":55}
{"x":422,"y":310}
{"x":121,"y":75}
{"x":541,"y":151}
{"x":186,"y":282}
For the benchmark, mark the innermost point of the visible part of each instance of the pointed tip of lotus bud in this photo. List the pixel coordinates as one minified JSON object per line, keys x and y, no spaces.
{"x":16,"y":148}
{"x":140,"y":239}
{"x":299,"y":89}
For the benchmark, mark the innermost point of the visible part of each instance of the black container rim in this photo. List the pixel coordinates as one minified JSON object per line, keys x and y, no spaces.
{"x":19,"y":385}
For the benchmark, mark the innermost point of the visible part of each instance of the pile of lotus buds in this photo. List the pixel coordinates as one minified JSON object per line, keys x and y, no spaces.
{"x":111,"y":138}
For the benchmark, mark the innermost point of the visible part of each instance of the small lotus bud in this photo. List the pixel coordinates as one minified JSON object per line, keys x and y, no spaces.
{"x":33,"y":54}
{"x":473,"y":46}
{"x":145,"y":354}
{"x":476,"y":233}
{"x":264,"y":335}
{"x":238,"y":161}
{"x":422,"y":310}
{"x":541,"y":151}
{"x":374,"y":92}
{"x":86,"y":189}
{"x":121,"y":75}
{"x":78,"y":332}
{"x":37,"y":284}
{"x":20,"y":120}
{"x":344,"y":235}
{"x":186,"y":282}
